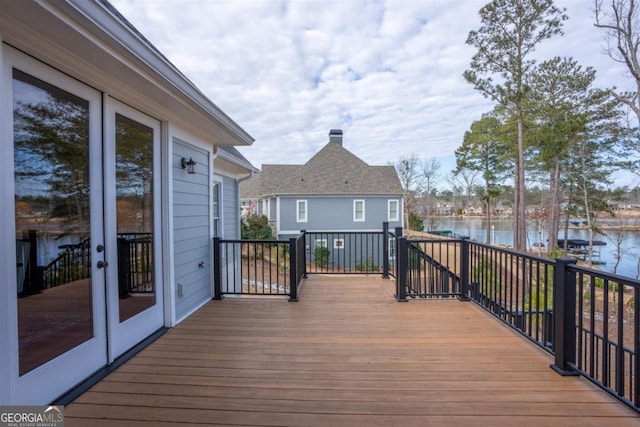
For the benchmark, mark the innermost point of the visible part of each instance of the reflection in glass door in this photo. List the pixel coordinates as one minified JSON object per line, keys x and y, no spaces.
{"x":52,"y":218}
{"x":132,"y":226}
{"x":134,"y":217}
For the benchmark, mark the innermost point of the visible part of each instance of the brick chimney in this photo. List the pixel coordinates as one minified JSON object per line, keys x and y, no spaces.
{"x":335,"y":135}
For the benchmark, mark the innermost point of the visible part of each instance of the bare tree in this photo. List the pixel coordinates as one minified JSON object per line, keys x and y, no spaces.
{"x":463,"y":183}
{"x":430,"y":174}
{"x":621,"y":25}
{"x":409,"y":173}
{"x":411,"y":179}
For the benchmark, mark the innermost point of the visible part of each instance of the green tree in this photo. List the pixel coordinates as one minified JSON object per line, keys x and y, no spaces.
{"x":589,"y":169}
{"x":509,"y":33}
{"x":564,"y":106}
{"x":415,"y":222}
{"x":483,"y":150}
{"x":256,"y":227}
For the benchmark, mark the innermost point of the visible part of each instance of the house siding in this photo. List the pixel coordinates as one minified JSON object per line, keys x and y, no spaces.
{"x":191,"y":229}
{"x":335,"y":214}
{"x":230,"y":213}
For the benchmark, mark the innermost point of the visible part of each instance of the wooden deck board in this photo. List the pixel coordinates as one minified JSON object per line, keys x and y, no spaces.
{"x":347,"y":354}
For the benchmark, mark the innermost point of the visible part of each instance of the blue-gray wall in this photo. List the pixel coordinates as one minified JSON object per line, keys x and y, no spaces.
{"x":336,"y":214}
{"x":191,"y":229}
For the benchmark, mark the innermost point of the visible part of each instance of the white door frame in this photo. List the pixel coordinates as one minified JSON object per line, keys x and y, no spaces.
{"x":46,"y":382}
{"x":123,"y":336}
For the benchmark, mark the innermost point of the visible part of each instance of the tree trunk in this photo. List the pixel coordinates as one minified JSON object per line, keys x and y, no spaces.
{"x":520,"y":237}
{"x":488,"y":208}
{"x":554,"y":205}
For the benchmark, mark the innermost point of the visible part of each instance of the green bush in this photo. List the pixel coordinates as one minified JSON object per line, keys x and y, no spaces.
{"x":415,"y":222}
{"x":256,"y":227}
{"x":321,"y":256}
{"x":367,"y":265}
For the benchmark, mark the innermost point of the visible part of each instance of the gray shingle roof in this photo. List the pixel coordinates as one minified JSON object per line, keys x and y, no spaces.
{"x":333,"y":170}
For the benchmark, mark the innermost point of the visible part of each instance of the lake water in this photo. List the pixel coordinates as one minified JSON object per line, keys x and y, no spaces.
{"x":502,"y":234}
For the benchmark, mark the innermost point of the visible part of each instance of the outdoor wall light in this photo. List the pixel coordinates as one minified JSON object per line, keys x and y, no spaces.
{"x":189,"y":165}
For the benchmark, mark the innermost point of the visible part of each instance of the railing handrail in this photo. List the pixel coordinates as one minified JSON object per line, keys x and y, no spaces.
{"x":67,"y":248}
{"x":627,"y":281}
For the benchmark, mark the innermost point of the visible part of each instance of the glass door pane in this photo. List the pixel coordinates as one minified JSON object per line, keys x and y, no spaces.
{"x":52,"y":217}
{"x":134,"y":217}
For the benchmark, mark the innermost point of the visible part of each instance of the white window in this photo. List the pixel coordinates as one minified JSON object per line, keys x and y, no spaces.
{"x":301,"y":208}
{"x":393,"y":211}
{"x":358,"y":210}
{"x":321,"y":242}
{"x":338,"y":243}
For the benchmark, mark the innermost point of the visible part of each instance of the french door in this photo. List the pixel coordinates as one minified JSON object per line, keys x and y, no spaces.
{"x":85,"y":179}
{"x":132,"y":226}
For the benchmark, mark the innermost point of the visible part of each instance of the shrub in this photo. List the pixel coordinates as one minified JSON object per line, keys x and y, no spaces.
{"x":416,"y":222}
{"x":367,"y":265}
{"x":256,"y":227}
{"x":321,"y":256}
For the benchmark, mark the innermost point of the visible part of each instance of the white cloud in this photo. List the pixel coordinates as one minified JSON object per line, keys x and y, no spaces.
{"x":388,"y":73}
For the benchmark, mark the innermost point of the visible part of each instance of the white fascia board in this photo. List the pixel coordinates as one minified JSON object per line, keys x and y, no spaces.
{"x":231,"y":162}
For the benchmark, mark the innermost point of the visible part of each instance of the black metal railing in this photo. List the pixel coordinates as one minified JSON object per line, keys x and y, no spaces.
{"x":352,"y":252}
{"x":391,"y":250}
{"x":516,"y":287}
{"x":586,"y":318}
{"x":605,"y":324}
{"x":256,"y":267}
{"x":427,"y":277}
{"x":135,"y":263}
{"x":73,"y":263}
{"x":277,"y":267}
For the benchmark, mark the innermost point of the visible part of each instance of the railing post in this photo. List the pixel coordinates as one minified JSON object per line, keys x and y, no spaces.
{"x":304,"y":253}
{"x":564,"y":314}
{"x":401,"y":275}
{"x":464,"y":269}
{"x":385,"y":250}
{"x":36,"y":273}
{"x":293,"y":273}
{"x":217,"y":270}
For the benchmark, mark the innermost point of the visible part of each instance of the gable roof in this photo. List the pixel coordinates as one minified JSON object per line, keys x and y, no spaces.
{"x":333,"y":170}
{"x":229,"y":158}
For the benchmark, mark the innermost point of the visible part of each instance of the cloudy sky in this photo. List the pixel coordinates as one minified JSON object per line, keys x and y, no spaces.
{"x":389,"y":74}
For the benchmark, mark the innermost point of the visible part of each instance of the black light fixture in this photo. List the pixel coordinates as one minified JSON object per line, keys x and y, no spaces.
{"x":189,"y":165}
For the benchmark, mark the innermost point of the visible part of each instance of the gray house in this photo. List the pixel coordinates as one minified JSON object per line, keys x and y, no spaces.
{"x":335,"y":191}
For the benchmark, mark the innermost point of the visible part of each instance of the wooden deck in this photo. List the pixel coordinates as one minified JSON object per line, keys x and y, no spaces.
{"x":347,"y":354}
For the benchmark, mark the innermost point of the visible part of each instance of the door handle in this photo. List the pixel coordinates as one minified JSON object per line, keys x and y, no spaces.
{"x":102,"y":264}
{"x":100,"y":248}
